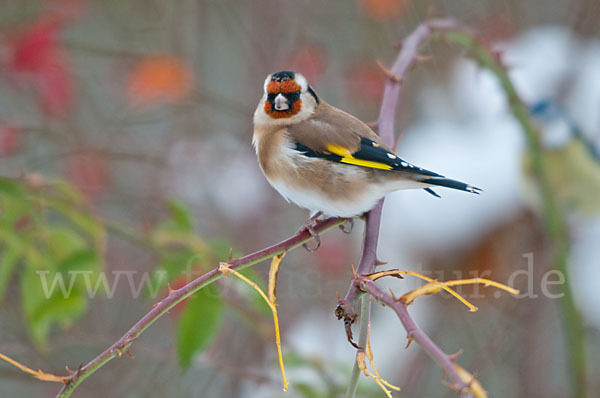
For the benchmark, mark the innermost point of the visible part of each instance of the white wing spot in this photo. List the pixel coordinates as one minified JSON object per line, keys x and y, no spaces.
{"x":376,"y":145}
{"x":404,"y":164}
{"x":391,"y":156}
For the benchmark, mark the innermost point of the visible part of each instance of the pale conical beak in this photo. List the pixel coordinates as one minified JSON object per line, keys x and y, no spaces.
{"x":281,"y":103}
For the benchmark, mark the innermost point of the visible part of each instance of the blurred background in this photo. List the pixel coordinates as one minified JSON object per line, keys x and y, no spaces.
{"x":125,"y":135}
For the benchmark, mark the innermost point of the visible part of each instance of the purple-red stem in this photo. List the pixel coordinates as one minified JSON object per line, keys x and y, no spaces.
{"x":122,"y":345}
{"x":385,"y":126}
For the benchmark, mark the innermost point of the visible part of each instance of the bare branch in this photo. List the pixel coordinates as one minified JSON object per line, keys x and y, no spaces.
{"x":413,"y":331}
{"x":176,"y":296}
{"x":407,"y":58}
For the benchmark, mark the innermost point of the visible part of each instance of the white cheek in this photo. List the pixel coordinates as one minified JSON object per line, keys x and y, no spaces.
{"x":267,"y":80}
{"x":301,"y":82}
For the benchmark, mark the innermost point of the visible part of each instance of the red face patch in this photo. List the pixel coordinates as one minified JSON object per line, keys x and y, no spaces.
{"x":284,"y":87}
{"x":296,"y":106}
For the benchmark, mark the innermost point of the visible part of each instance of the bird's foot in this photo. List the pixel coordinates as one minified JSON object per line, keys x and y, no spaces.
{"x":309,"y":226}
{"x":348,"y":226}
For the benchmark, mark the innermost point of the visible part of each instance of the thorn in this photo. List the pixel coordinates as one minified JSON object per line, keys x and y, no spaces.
{"x":230,"y":258}
{"x":410,"y":340}
{"x":69,"y":371}
{"x":455,"y":356}
{"x":169,"y":288}
{"x":378,"y":262}
{"x":388,"y":73}
{"x":354,"y":274}
{"x":393,"y":296}
{"x":128,"y":352}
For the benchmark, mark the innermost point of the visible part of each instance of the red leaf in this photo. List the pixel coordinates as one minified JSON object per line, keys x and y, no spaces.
{"x":35,"y":46}
{"x":36,"y":59}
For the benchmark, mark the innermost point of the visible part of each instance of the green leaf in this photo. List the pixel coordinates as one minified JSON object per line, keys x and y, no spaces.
{"x":178,"y":264}
{"x":49,"y":304}
{"x":62,"y":242}
{"x":86,"y":223}
{"x":199,"y":324}
{"x":13,"y":209}
{"x":181,"y":219}
{"x":68,"y":191}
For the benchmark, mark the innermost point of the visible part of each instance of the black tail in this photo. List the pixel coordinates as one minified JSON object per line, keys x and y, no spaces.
{"x":448,"y":183}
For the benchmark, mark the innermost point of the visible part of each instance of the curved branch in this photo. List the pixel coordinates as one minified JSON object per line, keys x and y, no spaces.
{"x":413,"y":331}
{"x":162,"y":307}
{"x":409,"y":55}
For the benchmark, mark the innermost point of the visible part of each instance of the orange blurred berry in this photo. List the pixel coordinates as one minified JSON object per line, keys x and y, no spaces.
{"x":159,"y":78}
{"x":382,"y":10}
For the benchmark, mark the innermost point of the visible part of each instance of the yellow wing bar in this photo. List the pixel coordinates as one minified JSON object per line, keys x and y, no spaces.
{"x":349,"y":159}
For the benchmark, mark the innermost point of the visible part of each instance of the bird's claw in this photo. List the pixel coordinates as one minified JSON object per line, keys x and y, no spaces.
{"x":309,"y":226}
{"x":348,"y":226}
{"x":315,"y":236}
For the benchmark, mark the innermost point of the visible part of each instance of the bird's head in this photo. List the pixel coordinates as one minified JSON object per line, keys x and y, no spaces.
{"x":287,"y":97}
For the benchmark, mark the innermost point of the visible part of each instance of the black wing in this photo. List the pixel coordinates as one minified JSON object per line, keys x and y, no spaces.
{"x":370,"y":154}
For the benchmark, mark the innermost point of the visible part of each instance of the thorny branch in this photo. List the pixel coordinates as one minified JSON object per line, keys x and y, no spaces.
{"x":124,"y":343}
{"x":361,"y":283}
{"x":460,"y":35}
{"x":409,"y":55}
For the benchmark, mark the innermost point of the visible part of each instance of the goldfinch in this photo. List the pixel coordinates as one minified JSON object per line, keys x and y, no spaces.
{"x":325,"y":160}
